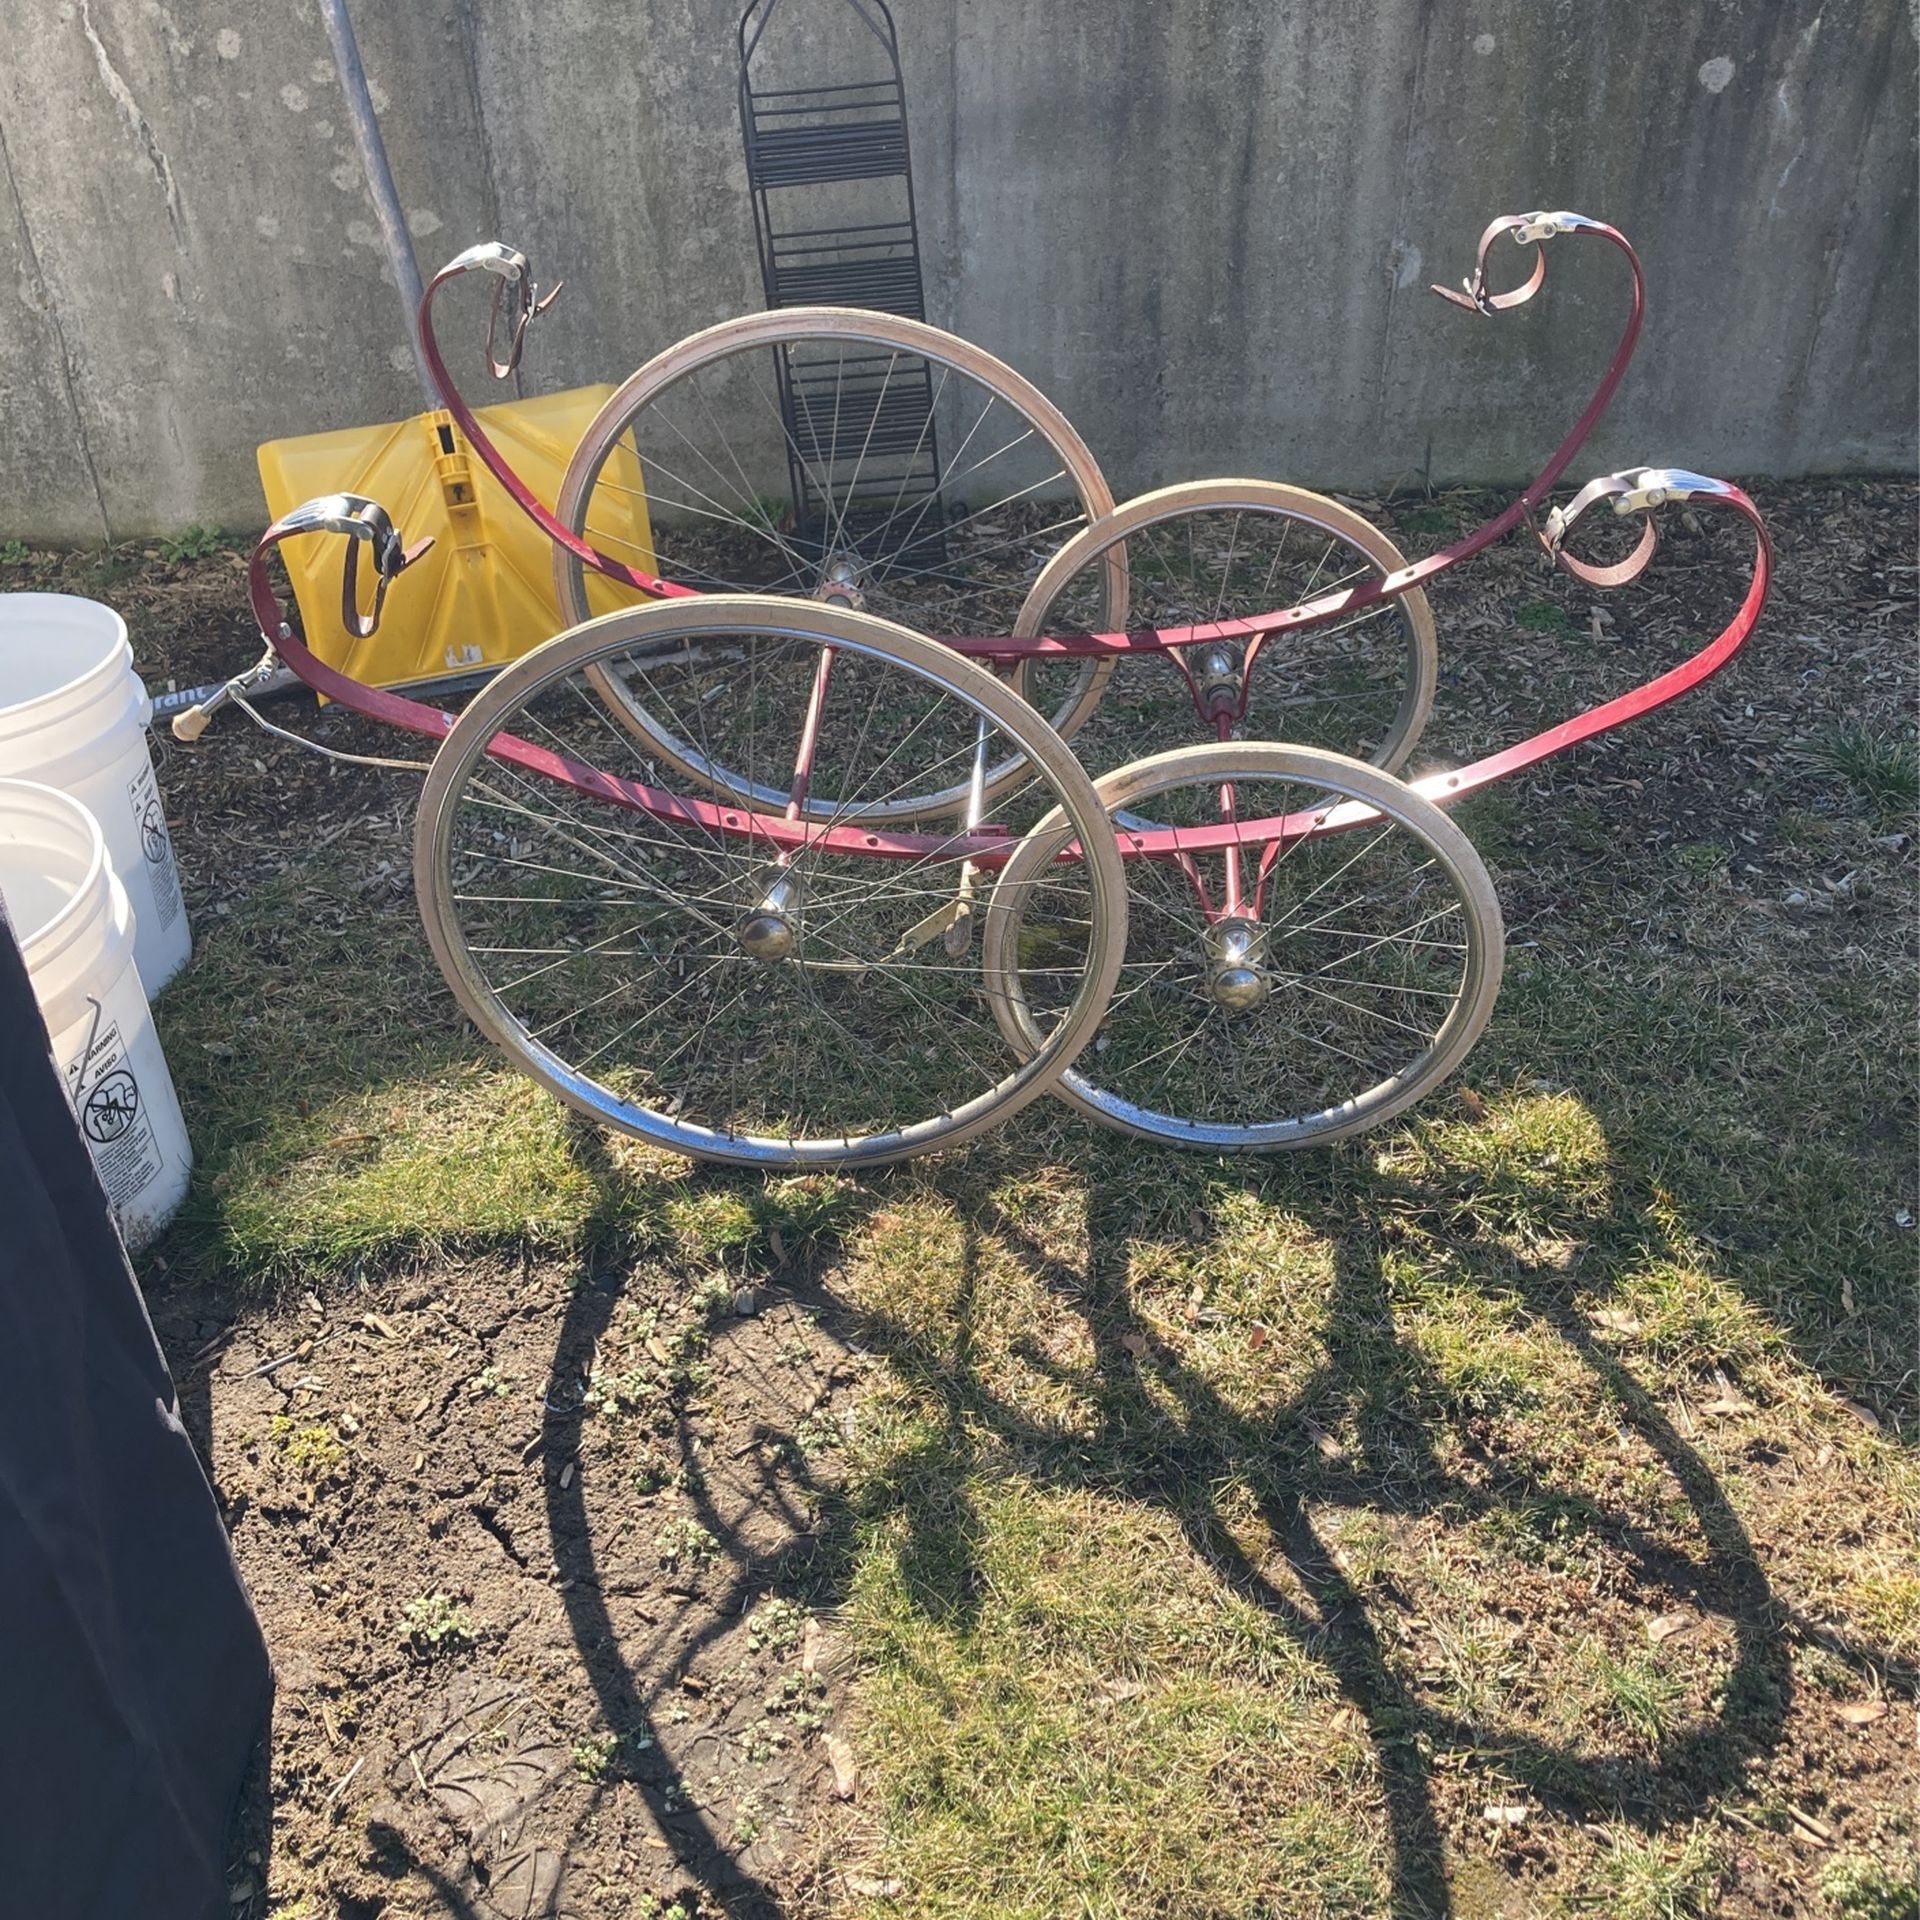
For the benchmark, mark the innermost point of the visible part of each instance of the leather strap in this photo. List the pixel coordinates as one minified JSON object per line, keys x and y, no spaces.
{"x":529,"y":304}
{"x":1634,"y":490}
{"x":1476,"y":298}
{"x":1621,"y":571}
{"x":364,"y":626}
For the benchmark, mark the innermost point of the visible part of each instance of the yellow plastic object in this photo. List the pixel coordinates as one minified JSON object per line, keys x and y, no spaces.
{"x":484,"y":595}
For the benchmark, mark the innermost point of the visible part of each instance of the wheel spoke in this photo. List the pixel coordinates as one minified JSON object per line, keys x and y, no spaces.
{"x":624,"y":955}
{"x":1227,"y":552}
{"x":1347,"y":1001}
{"x":913,"y":464}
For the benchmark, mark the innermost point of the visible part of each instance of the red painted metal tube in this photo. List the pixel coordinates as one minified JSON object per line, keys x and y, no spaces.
{"x":1312,"y":613}
{"x":986,"y":847}
{"x":493,"y":459}
{"x":989,"y":848}
{"x":1445,"y":788}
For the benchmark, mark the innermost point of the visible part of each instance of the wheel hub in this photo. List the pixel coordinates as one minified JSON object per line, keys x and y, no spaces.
{"x":1236,"y":949}
{"x":769,"y":930}
{"x":1215,"y":673}
{"x":840,"y":582}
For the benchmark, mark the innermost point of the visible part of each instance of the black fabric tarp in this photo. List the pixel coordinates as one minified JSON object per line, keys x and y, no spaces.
{"x":133,"y":1676}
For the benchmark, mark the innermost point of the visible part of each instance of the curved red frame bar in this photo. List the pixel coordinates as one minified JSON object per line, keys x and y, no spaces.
{"x":435,"y":723}
{"x":1147,"y":639}
{"x":494,"y":460}
{"x":990,"y":848}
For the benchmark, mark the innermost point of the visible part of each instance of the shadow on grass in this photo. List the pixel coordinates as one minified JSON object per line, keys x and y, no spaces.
{"x":628,"y":1691}
{"x":1394,"y":1469}
{"x":1388,"y":1395}
{"x":1371,"y":1380}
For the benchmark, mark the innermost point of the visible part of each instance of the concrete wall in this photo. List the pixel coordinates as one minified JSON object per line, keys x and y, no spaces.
{"x":1205,"y":227}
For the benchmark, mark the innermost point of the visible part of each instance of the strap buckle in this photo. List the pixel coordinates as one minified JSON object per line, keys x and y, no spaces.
{"x":1631,"y":490}
{"x":513,"y":287}
{"x":1534,"y":227}
{"x":1649,"y":487}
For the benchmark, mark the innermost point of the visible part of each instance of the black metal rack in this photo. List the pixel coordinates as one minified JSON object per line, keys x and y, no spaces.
{"x":860,"y":432}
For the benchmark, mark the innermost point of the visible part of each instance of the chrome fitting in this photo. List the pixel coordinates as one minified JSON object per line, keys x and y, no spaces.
{"x":1236,"y":947}
{"x":359,"y":518}
{"x":840,"y":583}
{"x":492,"y":256}
{"x":1213,"y":671}
{"x":1632,"y":490}
{"x":191,"y":722}
{"x":770,"y":929}
{"x":1474,"y":286}
{"x":1541,"y":226}
{"x":516,"y":295}
{"x":1215,"y":666}
{"x":1649,"y":487}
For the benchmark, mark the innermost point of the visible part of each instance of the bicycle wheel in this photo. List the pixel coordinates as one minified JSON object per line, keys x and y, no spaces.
{"x":1332,"y":982}
{"x":848,"y":457}
{"x":1231,"y":550}
{"x":741,"y":986}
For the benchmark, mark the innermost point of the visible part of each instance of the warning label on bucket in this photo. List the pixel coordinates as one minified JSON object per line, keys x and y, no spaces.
{"x":143,"y":793}
{"x":106,"y":1096}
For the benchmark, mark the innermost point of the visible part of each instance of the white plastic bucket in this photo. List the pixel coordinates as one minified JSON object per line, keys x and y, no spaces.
{"x":73,"y":715}
{"x":70,"y":914}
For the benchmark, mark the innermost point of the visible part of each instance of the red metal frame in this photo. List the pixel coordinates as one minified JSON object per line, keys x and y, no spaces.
{"x":1531,"y":229}
{"x":783,"y":833}
{"x":516,"y":281}
{"x":788,"y":833}
{"x":988,"y":847}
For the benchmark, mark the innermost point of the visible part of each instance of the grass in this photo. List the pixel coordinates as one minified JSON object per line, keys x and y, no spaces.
{"x":1098,"y":1586}
{"x":1154,"y":1432}
{"x":1222,"y":1538}
{"x":1637,"y":1693}
{"x":1646,"y":1881}
{"x":1009,"y":1730}
{"x":194,"y":543}
{"x":1880,"y":769}
{"x":1542,"y":616}
{"x":1860,"y":1889}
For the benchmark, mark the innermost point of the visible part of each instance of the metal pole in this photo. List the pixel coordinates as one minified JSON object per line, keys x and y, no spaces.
{"x":373,"y":161}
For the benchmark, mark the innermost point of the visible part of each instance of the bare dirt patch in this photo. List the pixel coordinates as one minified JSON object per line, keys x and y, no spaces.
{"x":538,"y":1553}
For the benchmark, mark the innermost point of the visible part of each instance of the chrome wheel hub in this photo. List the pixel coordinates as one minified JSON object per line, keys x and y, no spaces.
{"x":769,"y":930}
{"x":1236,"y":950}
{"x":840,"y":582}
